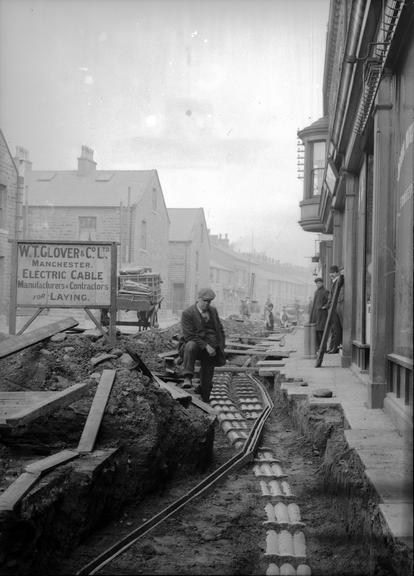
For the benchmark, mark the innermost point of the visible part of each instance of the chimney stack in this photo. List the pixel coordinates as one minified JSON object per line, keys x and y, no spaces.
{"x":22,"y":160}
{"x":86,"y":162}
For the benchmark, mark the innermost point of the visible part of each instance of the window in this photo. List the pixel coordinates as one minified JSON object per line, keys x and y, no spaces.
{"x":318,"y":167}
{"x":196,"y":261}
{"x":143,"y":235}
{"x":3,"y":206}
{"x":87,"y":228}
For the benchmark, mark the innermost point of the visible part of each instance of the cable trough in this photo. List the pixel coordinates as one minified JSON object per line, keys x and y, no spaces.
{"x":255,"y":407}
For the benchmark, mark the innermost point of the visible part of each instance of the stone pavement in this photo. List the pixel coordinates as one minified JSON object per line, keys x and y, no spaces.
{"x":386,"y":456}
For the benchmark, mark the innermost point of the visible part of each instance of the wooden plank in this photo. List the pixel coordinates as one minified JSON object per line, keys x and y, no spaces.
{"x":241,"y":352}
{"x":249,"y":352}
{"x":15,"y":492}
{"x":264,"y":363}
{"x":277,"y":353}
{"x":168,"y":353}
{"x":185,"y":397}
{"x":232,"y":344}
{"x":204,"y":406}
{"x":177,"y":393}
{"x":242,"y":347}
{"x":45,"y":464}
{"x":96,"y":412}
{"x":15,"y":344}
{"x":233,"y":368}
{"x":49,"y":404}
{"x":25,"y":394}
{"x":268,"y":371}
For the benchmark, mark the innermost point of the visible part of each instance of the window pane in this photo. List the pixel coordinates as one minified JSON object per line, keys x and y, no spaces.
{"x":318,"y":167}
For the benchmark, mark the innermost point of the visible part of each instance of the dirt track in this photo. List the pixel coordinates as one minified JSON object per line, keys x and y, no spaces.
{"x":220,"y":533}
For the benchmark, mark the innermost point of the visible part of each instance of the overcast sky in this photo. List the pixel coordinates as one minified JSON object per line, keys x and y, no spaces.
{"x":210,"y":93}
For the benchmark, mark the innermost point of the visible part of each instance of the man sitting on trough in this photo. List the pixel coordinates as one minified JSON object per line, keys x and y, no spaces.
{"x":203,"y":339}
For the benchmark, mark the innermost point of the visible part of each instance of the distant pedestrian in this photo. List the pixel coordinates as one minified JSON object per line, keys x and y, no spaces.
{"x":284,"y":318}
{"x":319,"y":311}
{"x":244,"y":308}
{"x":203,"y":339}
{"x":269,"y":318}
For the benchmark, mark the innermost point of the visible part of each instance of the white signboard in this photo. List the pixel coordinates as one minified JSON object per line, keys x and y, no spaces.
{"x":63,"y":274}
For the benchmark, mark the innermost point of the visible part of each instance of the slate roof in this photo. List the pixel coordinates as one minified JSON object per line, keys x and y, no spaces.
{"x":182,"y":222}
{"x":219,"y":266}
{"x":98,"y":188}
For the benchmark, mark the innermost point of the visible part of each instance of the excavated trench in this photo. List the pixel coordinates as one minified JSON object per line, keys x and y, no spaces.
{"x":146,"y":439}
{"x":151,"y":449}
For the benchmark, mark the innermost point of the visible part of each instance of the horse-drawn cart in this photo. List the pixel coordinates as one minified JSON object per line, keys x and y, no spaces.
{"x":139,"y":290}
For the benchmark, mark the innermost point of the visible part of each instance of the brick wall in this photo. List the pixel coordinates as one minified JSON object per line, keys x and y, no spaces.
{"x":176,"y":268}
{"x":155,"y":253}
{"x":62,"y":223}
{"x":189,"y":263}
{"x":9,"y":188}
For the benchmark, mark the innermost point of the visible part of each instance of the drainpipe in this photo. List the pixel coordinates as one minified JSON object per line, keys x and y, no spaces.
{"x":361,"y":13}
{"x":18,"y":223}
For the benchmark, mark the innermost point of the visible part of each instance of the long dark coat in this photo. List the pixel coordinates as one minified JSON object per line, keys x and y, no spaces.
{"x":318,"y":315}
{"x":193,"y":329}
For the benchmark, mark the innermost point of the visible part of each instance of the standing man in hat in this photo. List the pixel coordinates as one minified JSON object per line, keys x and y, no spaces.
{"x":319,"y":312}
{"x":203,"y":339}
{"x":337,"y":316}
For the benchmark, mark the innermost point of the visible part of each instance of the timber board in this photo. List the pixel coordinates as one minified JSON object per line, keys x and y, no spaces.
{"x":14,"y":344}
{"x":96,"y":412}
{"x":45,"y":464}
{"x":15,"y":413}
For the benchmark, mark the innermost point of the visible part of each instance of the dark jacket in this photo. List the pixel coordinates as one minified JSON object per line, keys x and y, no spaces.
{"x":193,"y":328}
{"x":319,"y":311}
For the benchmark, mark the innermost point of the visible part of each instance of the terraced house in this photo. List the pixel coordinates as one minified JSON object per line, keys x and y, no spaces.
{"x":189,"y":256}
{"x":11,"y":198}
{"x":236,"y":276}
{"x":358,"y":191}
{"x":124,"y":206}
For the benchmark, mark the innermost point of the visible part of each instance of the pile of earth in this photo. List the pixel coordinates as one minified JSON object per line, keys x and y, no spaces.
{"x":146,"y":438}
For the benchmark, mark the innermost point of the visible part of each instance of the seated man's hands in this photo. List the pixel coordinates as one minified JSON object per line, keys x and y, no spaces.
{"x":210,"y":350}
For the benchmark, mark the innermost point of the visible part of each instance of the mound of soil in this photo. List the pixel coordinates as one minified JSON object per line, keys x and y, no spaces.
{"x":145,"y":439}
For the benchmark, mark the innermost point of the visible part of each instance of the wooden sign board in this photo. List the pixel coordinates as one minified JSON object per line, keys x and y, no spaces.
{"x":60,"y":274}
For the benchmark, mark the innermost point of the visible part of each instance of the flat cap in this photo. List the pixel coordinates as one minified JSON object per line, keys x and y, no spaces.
{"x":318,"y":280}
{"x":206,"y":294}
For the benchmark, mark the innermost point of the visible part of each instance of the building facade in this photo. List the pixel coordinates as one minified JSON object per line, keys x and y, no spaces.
{"x":254,"y":277}
{"x":358,"y":190}
{"x":11,"y":197}
{"x":123,"y":206}
{"x":189,"y":257}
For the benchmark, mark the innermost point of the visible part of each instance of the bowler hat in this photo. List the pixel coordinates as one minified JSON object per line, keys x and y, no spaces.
{"x":206,"y":294}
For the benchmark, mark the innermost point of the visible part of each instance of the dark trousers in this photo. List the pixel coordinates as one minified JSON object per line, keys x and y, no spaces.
{"x":318,"y":338}
{"x":191,"y":353}
{"x":336,"y":330}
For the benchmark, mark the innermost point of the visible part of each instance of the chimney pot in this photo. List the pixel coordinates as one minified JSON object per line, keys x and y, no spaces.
{"x":86,"y":163}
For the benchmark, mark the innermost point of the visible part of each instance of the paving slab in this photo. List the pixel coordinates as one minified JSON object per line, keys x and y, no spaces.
{"x":399,"y":517}
{"x":391,"y":483}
